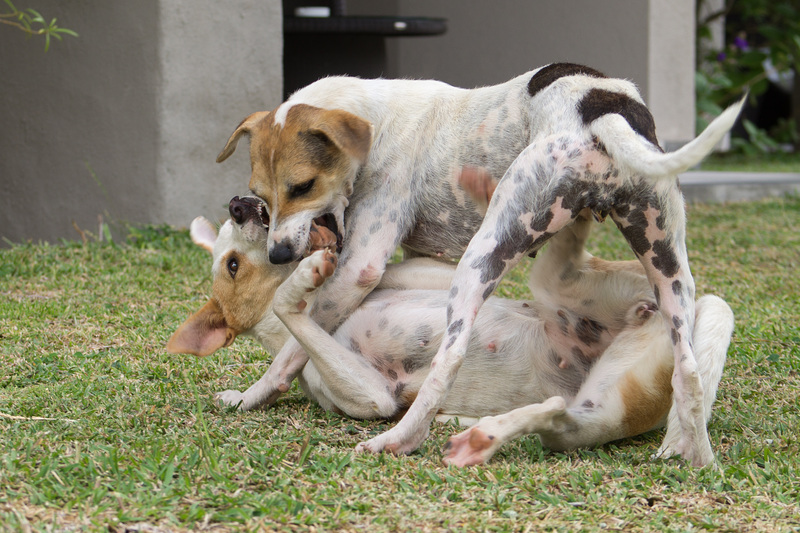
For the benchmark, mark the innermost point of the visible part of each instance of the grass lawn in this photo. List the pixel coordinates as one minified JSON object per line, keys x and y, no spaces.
{"x":772,"y":162}
{"x":101,"y":430}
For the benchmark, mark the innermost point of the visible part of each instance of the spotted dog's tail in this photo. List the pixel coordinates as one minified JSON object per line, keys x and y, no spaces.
{"x":630,"y":150}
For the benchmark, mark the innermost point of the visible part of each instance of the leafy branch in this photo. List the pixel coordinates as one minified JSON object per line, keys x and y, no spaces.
{"x":32,"y":22}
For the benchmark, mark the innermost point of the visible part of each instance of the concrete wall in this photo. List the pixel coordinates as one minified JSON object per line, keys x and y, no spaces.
{"x":126,"y":121}
{"x":650,"y":42}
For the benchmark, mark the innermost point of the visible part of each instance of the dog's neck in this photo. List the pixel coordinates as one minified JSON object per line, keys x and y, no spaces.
{"x":270,"y":332}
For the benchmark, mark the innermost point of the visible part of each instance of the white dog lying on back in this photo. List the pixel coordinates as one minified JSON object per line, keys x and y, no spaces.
{"x":592,"y":331}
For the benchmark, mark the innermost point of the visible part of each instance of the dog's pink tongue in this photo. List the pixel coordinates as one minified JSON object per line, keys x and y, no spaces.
{"x":320,"y":238}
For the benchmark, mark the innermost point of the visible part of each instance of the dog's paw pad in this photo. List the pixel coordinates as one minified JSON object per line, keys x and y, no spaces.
{"x":470,"y":447}
{"x":324,"y":267}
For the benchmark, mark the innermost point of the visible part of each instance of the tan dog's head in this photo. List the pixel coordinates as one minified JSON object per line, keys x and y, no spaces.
{"x":304,"y":161}
{"x":243,"y":287}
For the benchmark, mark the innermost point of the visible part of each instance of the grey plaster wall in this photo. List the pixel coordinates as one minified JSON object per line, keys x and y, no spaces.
{"x":650,"y":42}
{"x":125,"y":122}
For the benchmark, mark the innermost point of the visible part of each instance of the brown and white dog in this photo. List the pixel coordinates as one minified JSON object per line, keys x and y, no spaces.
{"x":381,"y":163}
{"x":587,"y":361}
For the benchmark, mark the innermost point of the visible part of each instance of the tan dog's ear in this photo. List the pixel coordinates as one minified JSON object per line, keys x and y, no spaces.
{"x":203,"y":333}
{"x":351,"y":134}
{"x":245,"y":127}
{"x":203,"y":233}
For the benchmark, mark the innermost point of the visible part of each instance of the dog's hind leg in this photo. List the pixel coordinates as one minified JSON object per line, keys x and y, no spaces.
{"x":479,"y":443}
{"x":627,"y":393}
{"x":713,"y":328}
{"x":527,"y":208}
{"x":652,"y":219}
{"x":345,"y":379}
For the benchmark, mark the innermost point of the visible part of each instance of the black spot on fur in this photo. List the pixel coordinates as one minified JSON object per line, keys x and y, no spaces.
{"x":398,"y":390}
{"x":423,"y":334}
{"x":513,"y":241}
{"x":677,"y":287}
{"x":589,"y":331}
{"x":665,"y":260}
{"x":660,"y":221}
{"x":563,"y":322}
{"x":411,"y":365}
{"x":456,"y":327}
{"x":547,"y":75}
{"x":599,"y":146}
{"x":450,"y":342}
{"x":657,"y":294}
{"x":677,"y":322}
{"x":392,"y":374}
{"x":676,"y":337}
{"x":542,"y":221}
{"x":588,"y":404}
{"x":599,"y":102}
{"x":636,"y":235}
{"x":489,"y":290}
{"x":354,"y":346}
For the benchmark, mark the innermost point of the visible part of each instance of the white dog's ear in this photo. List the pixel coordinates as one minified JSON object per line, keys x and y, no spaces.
{"x":351,"y":134}
{"x":244,"y":127}
{"x":203,"y":233}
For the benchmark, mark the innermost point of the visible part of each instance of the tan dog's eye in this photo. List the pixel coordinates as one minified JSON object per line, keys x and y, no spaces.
{"x":233,"y":266}
{"x":301,"y":189}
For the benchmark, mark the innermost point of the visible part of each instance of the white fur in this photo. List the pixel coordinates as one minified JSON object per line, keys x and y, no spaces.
{"x":510,"y":379}
{"x":425,"y":134}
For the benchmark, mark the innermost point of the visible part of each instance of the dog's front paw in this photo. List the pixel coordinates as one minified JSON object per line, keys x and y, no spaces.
{"x":290,"y":297}
{"x":321,"y":264}
{"x":230,"y":398}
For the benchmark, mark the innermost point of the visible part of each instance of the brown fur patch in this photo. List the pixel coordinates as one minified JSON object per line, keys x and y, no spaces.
{"x":245,"y":298}
{"x":203,"y":333}
{"x":314,"y":144}
{"x":645,"y":406}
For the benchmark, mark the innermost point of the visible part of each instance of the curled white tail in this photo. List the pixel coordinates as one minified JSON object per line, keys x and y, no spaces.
{"x":630,"y":150}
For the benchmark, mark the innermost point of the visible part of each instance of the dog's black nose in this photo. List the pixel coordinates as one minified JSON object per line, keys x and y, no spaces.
{"x":237,"y":209}
{"x":280,"y":254}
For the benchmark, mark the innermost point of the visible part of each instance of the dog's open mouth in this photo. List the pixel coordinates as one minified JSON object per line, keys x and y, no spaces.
{"x":264,"y":216}
{"x":324,"y":234}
